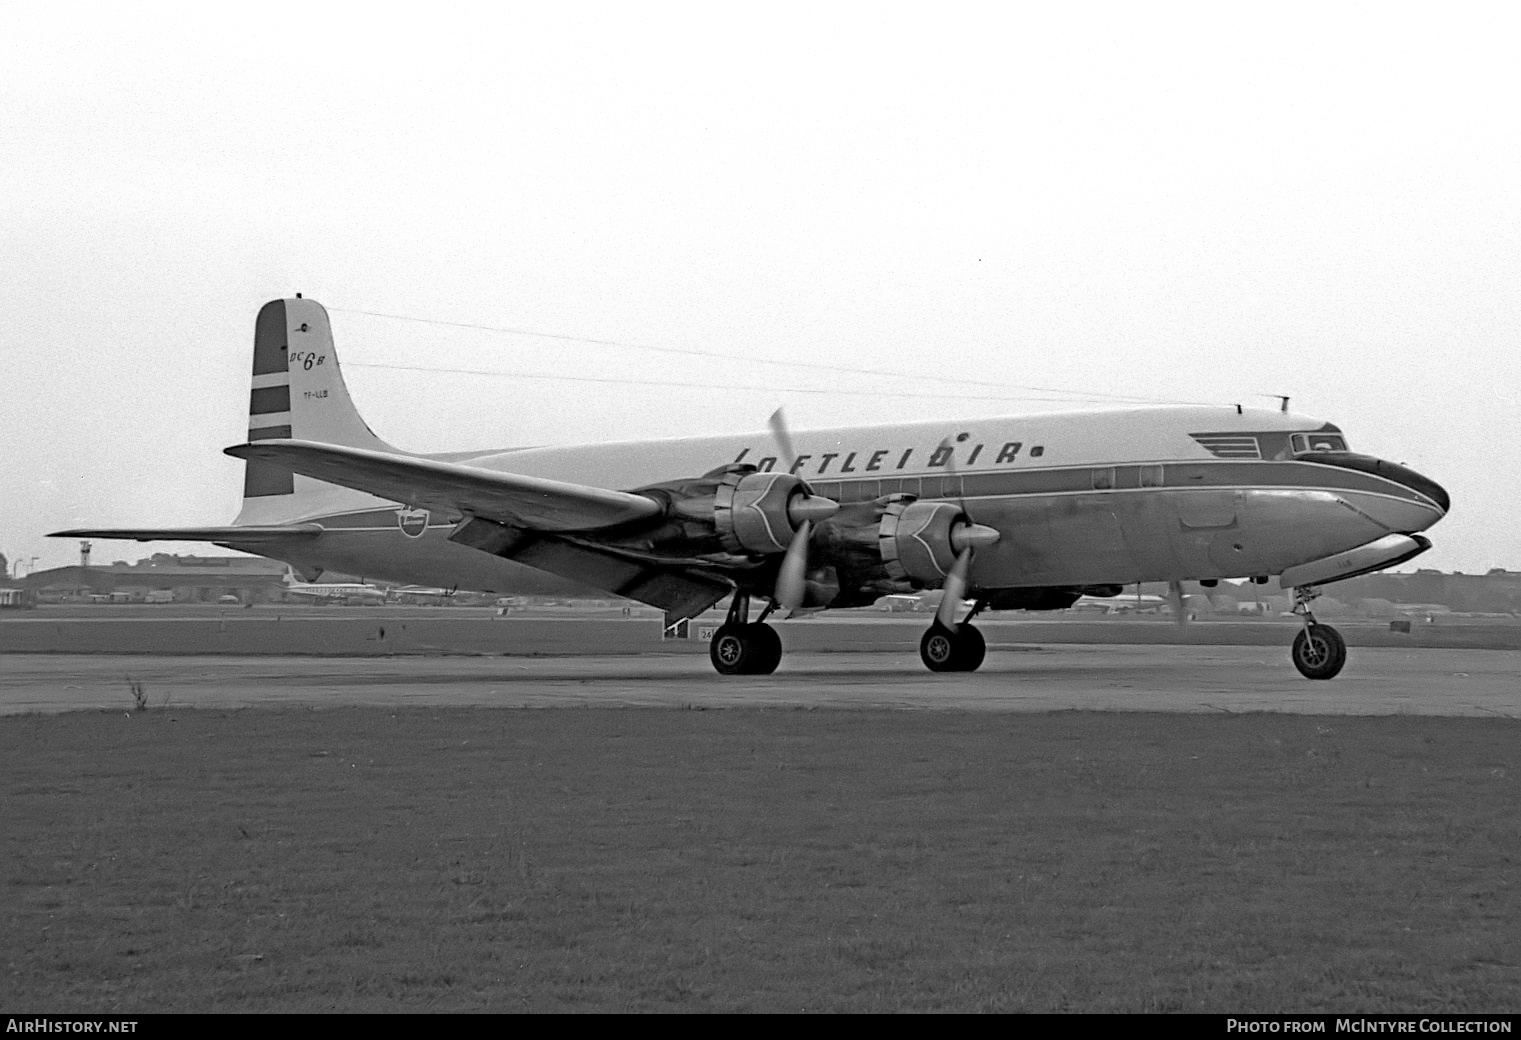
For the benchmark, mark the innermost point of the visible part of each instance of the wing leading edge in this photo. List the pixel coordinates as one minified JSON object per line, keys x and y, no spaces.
{"x":247,"y":535}
{"x":530,"y":502}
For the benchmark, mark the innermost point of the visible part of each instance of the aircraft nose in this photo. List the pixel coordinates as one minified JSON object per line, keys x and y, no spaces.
{"x":1433,"y":493}
{"x":1421,"y":485}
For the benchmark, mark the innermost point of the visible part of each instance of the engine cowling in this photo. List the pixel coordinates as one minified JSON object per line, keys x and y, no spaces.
{"x":760,"y":512}
{"x":919,"y":541}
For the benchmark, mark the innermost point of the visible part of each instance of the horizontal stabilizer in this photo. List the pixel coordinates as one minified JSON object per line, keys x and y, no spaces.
{"x":248,"y":535}
{"x":447,"y":487}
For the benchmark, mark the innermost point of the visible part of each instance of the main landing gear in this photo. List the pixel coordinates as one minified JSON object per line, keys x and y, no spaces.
{"x":958,"y":648}
{"x":742,"y":648}
{"x":1319,"y":650}
{"x":945,"y":651}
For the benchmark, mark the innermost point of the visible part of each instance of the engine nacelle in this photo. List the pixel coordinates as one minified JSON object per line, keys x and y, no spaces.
{"x":919,"y":541}
{"x":914,"y":539}
{"x":759,"y":512}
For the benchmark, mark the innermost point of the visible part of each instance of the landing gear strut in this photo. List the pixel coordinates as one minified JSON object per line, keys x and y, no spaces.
{"x":959,"y":649}
{"x":742,"y":648}
{"x":1319,"y":650}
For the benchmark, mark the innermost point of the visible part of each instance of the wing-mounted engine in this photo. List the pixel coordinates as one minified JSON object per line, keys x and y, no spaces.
{"x":762,"y":512}
{"x":734,"y":512}
{"x":920,"y":541}
{"x":743,"y":519}
{"x":896,"y":544}
{"x":739,"y":517}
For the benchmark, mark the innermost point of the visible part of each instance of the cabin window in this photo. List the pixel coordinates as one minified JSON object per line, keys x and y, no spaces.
{"x":1304,"y":442}
{"x":1151,"y":476}
{"x":1103,"y":479}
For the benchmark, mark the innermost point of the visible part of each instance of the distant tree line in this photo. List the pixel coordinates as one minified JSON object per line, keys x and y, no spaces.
{"x":1498,"y":592}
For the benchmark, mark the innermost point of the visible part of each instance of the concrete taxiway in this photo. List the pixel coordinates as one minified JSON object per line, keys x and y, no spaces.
{"x":1377,"y":681}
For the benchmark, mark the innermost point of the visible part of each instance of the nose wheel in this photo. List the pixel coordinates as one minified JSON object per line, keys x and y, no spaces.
{"x":1319,"y":651}
{"x":945,"y":650}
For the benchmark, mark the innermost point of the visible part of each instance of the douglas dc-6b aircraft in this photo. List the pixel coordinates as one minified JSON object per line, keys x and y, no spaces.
{"x":1028,"y":512}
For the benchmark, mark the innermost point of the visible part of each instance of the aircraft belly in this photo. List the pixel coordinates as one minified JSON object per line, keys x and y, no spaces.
{"x":1295,"y":526}
{"x":1173,"y":534}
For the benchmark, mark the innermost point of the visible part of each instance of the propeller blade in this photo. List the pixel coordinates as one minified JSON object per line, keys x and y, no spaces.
{"x":778,"y":424}
{"x":949,"y":446}
{"x":1175,"y":597}
{"x":955,"y":590}
{"x":791,"y":579}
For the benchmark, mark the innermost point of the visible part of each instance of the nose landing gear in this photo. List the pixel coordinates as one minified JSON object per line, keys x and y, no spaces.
{"x":1319,"y":650}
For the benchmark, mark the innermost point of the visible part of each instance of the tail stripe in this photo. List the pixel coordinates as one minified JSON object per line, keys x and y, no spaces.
{"x":269,"y":399}
{"x":298,"y":392}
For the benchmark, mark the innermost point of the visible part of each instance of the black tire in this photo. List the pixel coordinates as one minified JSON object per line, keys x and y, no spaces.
{"x":942,"y":650}
{"x":972,"y":648}
{"x":745,"y":650}
{"x":1319,"y":652}
{"x":768,"y":649}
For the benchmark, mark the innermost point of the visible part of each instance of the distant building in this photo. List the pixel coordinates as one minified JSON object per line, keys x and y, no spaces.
{"x":163,"y":579}
{"x":15,"y":598}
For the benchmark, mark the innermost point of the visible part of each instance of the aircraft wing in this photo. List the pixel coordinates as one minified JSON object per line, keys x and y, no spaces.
{"x":252,"y":535}
{"x":448,"y":487}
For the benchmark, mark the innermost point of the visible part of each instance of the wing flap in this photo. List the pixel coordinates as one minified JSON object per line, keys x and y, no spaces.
{"x":533,"y":502}
{"x":681,"y":591}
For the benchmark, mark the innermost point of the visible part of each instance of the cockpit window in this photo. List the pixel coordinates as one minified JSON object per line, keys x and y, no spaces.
{"x":1306,"y":442}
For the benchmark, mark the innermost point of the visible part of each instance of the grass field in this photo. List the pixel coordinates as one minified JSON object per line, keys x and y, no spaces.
{"x":751,"y":860}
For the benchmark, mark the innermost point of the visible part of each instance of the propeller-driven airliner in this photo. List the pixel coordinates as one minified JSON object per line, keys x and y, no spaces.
{"x":1027,"y":512}
{"x":334,"y":592}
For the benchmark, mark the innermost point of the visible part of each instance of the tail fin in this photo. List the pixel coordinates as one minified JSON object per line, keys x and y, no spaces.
{"x":299,"y":393}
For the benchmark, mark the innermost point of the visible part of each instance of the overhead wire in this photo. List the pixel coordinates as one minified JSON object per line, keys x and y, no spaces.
{"x":709,"y":386}
{"x":1070,"y":396}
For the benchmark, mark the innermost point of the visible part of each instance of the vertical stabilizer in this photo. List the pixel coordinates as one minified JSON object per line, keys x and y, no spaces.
{"x":298,"y":393}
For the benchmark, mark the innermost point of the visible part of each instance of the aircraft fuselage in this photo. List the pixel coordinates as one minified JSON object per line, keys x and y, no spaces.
{"x":1081,"y":499}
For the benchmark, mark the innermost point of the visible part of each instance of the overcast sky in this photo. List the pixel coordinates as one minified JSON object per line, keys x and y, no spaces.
{"x":1175,"y":202}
